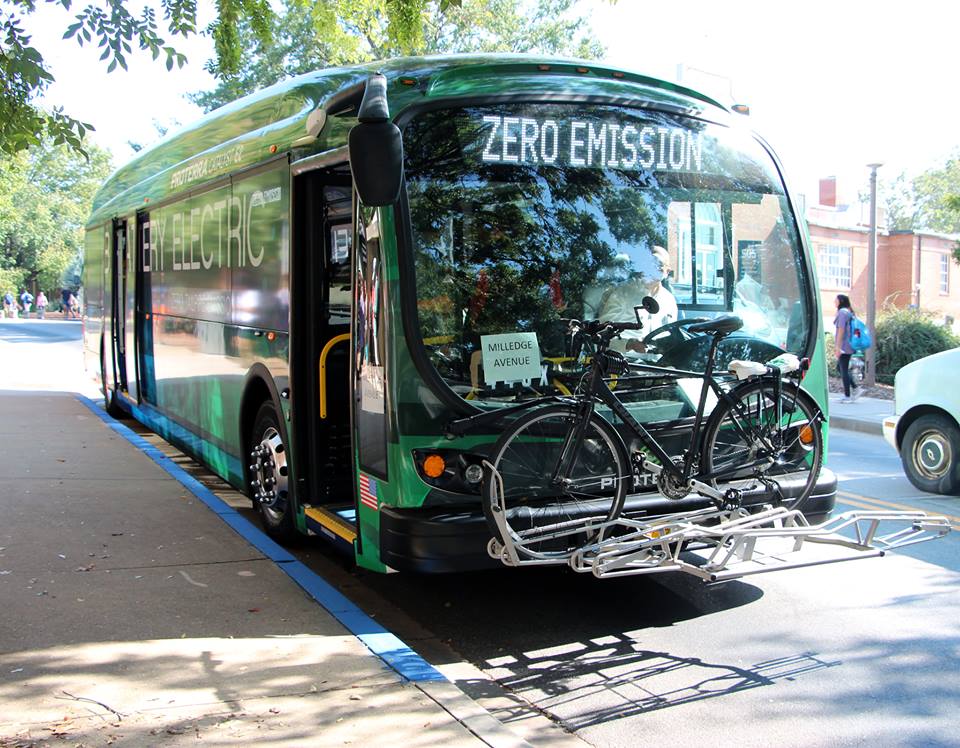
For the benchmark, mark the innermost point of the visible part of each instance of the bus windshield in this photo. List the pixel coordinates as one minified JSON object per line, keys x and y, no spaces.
{"x":524,"y":215}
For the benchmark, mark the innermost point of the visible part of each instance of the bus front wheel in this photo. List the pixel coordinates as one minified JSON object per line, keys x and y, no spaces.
{"x":269,"y":486}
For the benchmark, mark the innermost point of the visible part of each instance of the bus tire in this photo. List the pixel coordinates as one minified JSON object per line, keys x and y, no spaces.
{"x":930,"y":453}
{"x":270,"y":488}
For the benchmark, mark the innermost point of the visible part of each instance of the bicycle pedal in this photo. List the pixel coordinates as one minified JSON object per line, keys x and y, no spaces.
{"x":732,"y":500}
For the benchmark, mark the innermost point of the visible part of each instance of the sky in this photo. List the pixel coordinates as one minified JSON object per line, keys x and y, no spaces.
{"x":832,"y":85}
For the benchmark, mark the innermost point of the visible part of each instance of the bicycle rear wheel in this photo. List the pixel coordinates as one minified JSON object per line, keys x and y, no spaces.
{"x":544,"y":518}
{"x":733,"y":444}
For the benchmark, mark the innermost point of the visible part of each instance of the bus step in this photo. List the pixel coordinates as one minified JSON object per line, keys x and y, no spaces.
{"x":718,"y":546}
{"x":336,"y":522}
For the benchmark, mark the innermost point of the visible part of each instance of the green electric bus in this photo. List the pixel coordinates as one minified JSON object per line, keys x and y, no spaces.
{"x":303,"y":289}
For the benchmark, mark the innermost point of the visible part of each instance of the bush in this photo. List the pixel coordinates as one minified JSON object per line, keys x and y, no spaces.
{"x":905,"y":335}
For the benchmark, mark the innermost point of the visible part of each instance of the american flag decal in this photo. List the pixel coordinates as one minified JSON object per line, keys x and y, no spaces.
{"x":368,"y":492}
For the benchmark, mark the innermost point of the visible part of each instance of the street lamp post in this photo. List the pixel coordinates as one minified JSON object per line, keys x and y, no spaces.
{"x":871,"y":374}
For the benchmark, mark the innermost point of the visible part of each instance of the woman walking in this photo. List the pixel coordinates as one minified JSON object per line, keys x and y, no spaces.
{"x":844,"y":350}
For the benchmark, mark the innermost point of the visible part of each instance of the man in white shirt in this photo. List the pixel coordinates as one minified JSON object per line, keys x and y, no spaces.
{"x":617,"y":303}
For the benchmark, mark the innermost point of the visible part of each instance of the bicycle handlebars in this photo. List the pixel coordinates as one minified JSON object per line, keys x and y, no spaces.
{"x":600,"y":328}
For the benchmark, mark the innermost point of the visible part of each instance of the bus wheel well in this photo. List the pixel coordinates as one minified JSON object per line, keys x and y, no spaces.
{"x":255,"y":394}
{"x":913,"y":414}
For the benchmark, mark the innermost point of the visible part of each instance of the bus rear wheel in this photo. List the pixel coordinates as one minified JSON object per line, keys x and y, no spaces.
{"x":270,"y":487}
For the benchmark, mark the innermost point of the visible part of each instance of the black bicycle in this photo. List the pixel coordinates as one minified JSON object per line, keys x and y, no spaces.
{"x":559,"y":476}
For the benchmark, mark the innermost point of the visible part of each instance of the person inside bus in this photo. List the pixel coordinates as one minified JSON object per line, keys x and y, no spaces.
{"x":616,"y":303}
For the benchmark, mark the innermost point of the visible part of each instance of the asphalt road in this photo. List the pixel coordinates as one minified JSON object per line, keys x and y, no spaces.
{"x":866,"y":652}
{"x":43,"y":355}
{"x":871,"y":477}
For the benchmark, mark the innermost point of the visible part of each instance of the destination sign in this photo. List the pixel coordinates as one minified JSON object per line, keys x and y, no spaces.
{"x":589,"y":143}
{"x":510,"y":357}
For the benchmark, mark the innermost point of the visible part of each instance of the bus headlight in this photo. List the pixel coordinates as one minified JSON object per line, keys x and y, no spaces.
{"x":473,"y":474}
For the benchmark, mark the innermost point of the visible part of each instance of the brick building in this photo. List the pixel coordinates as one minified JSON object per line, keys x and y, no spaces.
{"x":914,"y":268}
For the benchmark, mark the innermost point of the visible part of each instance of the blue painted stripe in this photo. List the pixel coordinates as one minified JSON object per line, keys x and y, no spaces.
{"x":385,"y":645}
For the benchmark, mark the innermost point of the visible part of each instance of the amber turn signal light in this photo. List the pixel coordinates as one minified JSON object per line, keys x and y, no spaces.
{"x":433,"y":466}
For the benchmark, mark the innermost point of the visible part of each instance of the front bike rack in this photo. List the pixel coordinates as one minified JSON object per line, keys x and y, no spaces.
{"x":717,"y":545}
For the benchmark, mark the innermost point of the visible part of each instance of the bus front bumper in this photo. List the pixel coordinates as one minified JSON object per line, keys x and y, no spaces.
{"x":449,"y":539}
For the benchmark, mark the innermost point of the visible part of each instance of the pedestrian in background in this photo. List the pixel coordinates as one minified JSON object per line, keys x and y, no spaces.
{"x":26,"y":301}
{"x":41,"y":305}
{"x":843,"y":349}
{"x":9,"y":304}
{"x":73,"y":304}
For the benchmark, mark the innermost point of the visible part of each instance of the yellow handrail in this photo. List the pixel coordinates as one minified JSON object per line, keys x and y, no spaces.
{"x":323,"y":370}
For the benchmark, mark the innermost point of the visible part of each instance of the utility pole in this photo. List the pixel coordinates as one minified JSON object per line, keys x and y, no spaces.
{"x":870,"y":378}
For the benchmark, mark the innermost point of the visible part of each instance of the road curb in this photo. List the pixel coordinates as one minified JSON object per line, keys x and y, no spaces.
{"x":862,"y":425}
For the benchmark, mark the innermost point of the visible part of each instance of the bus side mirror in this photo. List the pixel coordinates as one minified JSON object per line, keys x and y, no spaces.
{"x":376,"y":148}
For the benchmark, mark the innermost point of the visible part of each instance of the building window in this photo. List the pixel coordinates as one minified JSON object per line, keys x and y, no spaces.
{"x":945,"y":274}
{"x":835,"y":266}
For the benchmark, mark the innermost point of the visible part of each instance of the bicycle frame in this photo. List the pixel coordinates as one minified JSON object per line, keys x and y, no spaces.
{"x":599,"y":391}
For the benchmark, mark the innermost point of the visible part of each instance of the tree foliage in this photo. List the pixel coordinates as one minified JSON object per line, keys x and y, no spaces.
{"x":308,"y":36}
{"x":114,"y":30}
{"x":953,"y":203}
{"x":45,"y":197}
{"x":929,"y":202}
{"x":900,"y":204}
{"x":107,"y":24}
{"x":933,"y":189}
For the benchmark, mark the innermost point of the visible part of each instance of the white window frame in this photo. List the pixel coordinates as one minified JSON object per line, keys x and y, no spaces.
{"x":835,"y":266}
{"x":945,"y":274}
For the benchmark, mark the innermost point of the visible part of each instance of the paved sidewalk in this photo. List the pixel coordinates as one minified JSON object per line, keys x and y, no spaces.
{"x":133,"y":615}
{"x":865,"y":415}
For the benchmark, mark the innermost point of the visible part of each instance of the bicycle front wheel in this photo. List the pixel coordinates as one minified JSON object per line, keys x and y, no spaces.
{"x":746,"y":441}
{"x":543,"y":514}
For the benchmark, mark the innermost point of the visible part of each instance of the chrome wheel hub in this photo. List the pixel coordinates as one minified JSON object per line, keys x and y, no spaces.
{"x":932,"y":454}
{"x":269,"y":472}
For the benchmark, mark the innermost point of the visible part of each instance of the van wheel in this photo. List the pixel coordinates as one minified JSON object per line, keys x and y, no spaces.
{"x":270,"y":488}
{"x":930,"y":451}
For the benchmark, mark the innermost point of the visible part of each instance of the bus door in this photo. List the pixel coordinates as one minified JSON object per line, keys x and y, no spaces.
{"x":333,"y":331}
{"x":118,"y":286}
{"x":146,"y":381}
{"x":131,"y":306}
{"x":321,"y":298}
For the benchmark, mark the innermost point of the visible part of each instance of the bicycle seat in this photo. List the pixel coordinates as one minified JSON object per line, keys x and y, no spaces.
{"x":724,"y":325}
